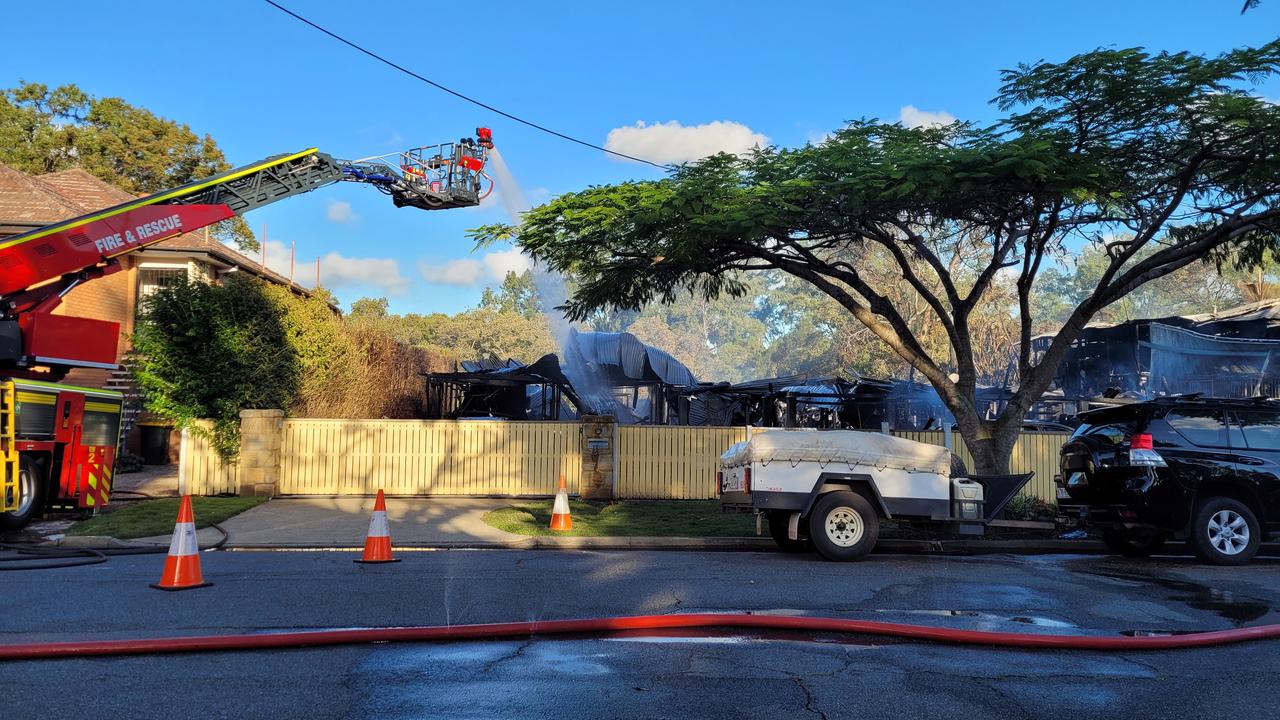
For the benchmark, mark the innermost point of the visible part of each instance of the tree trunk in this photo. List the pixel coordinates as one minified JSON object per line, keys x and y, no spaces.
{"x":990,"y":443}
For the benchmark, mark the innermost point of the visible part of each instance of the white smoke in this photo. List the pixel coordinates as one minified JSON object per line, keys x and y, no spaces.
{"x":508,"y":189}
{"x":588,"y":380}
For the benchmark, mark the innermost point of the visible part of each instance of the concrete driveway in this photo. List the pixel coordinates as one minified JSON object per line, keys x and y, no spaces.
{"x":343,"y":522}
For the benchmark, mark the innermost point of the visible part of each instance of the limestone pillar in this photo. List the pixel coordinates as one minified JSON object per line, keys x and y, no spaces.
{"x":261,"y":433}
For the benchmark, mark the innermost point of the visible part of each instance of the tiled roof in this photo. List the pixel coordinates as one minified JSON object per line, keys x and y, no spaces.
{"x":87,"y":192}
{"x":23,"y":198}
{"x":60,"y":195}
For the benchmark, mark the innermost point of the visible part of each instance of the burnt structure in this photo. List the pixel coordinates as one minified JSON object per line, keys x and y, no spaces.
{"x":1231,"y":353}
{"x":618,"y":375}
{"x":506,"y":390}
{"x":599,"y":373}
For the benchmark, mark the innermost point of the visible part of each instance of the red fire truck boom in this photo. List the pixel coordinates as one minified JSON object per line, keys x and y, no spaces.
{"x":58,"y":442}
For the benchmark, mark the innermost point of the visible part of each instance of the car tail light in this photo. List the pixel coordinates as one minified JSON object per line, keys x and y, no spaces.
{"x":1142,"y":451}
{"x":746,"y":479}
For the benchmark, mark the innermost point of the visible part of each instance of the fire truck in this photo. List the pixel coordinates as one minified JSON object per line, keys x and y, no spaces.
{"x":58,"y":442}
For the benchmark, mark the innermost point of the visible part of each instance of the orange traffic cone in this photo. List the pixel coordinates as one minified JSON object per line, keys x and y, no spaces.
{"x":560,"y":517}
{"x":377,"y":546}
{"x":182,"y":567}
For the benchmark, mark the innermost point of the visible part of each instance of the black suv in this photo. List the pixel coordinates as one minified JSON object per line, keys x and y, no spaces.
{"x":1203,"y":469}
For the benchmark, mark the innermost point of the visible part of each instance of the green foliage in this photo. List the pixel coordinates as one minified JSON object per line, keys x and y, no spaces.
{"x":481,"y":333}
{"x":517,"y":294}
{"x":149,"y":518}
{"x":722,"y":339}
{"x":45,"y":130}
{"x":932,"y":238}
{"x":508,"y":324}
{"x":1196,"y":288}
{"x":1028,"y":507}
{"x":691,"y":518}
{"x":370,"y":309}
{"x":210,"y":351}
{"x":316,"y":337}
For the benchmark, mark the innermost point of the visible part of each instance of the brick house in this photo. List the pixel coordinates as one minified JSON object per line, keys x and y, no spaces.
{"x":28,"y":202}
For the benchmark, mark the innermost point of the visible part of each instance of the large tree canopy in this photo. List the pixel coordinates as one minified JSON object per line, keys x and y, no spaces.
{"x":1157,"y":160}
{"x":46,"y":130}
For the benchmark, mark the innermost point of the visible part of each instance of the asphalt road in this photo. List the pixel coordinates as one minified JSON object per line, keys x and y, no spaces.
{"x":744,"y":676}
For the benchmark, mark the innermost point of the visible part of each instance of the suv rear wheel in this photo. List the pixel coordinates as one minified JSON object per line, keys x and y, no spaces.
{"x":843,"y":526}
{"x":1129,"y":544}
{"x":1225,"y":532}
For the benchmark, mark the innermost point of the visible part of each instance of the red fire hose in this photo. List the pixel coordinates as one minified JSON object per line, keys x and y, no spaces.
{"x":262,"y":641}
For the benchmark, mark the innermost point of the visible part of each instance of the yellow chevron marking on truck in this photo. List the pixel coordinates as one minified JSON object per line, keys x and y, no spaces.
{"x":101,"y":407}
{"x":37,"y":398}
{"x":9,"y":488}
{"x":154,"y":199}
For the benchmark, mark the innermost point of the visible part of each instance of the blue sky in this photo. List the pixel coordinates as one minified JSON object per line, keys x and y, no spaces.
{"x":708,"y":75}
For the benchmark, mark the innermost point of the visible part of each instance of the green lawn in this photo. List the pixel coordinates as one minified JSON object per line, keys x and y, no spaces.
{"x":692,"y":518}
{"x":145,"y":518}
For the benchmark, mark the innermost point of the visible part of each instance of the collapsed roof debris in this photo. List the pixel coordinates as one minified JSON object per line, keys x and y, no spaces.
{"x":1231,"y":353}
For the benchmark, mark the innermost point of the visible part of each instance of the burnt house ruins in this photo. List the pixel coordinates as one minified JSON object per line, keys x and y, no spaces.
{"x":617,"y":374}
{"x":1231,"y":353}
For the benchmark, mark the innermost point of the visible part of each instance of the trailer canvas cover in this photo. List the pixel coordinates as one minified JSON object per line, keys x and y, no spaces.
{"x":842,"y":447}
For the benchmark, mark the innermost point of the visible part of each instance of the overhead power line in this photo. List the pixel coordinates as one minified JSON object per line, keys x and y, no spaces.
{"x":457,"y":94}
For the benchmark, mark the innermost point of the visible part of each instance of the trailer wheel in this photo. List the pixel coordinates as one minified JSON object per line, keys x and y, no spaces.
{"x":843,"y":526}
{"x":778,"y":520}
{"x":30,"y":495}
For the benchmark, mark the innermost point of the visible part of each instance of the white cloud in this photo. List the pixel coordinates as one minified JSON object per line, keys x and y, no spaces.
{"x":500,"y":263}
{"x":671,"y":142}
{"x":338,"y":270}
{"x":913,"y":117}
{"x":462,"y":272}
{"x":340,"y":211}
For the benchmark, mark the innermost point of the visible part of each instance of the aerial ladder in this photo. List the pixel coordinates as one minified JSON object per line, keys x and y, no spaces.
{"x":58,"y":441}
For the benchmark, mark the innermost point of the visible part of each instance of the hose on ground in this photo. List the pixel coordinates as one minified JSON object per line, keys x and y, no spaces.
{"x":33,"y":556}
{"x":38,"y":557}
{"x":630,"y":624}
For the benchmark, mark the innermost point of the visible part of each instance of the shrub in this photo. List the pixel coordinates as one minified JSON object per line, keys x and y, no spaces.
{"x":1028,"y":507}
{"x":209,"y":351}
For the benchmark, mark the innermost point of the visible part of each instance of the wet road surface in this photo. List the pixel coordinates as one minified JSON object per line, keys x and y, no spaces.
{"x":679,"y":675}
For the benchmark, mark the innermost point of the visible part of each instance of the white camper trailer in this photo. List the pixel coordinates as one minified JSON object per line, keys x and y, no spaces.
{"x":829,"y":489}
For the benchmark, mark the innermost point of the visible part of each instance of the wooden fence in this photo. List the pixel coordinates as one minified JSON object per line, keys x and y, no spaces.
{"x":440,"y":457}
{"x":428,"y":457}
{"x":1034,"y":452}
{"x":200,"y":470}
{"x":681,"y":462}
{"x":671,"y":463}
